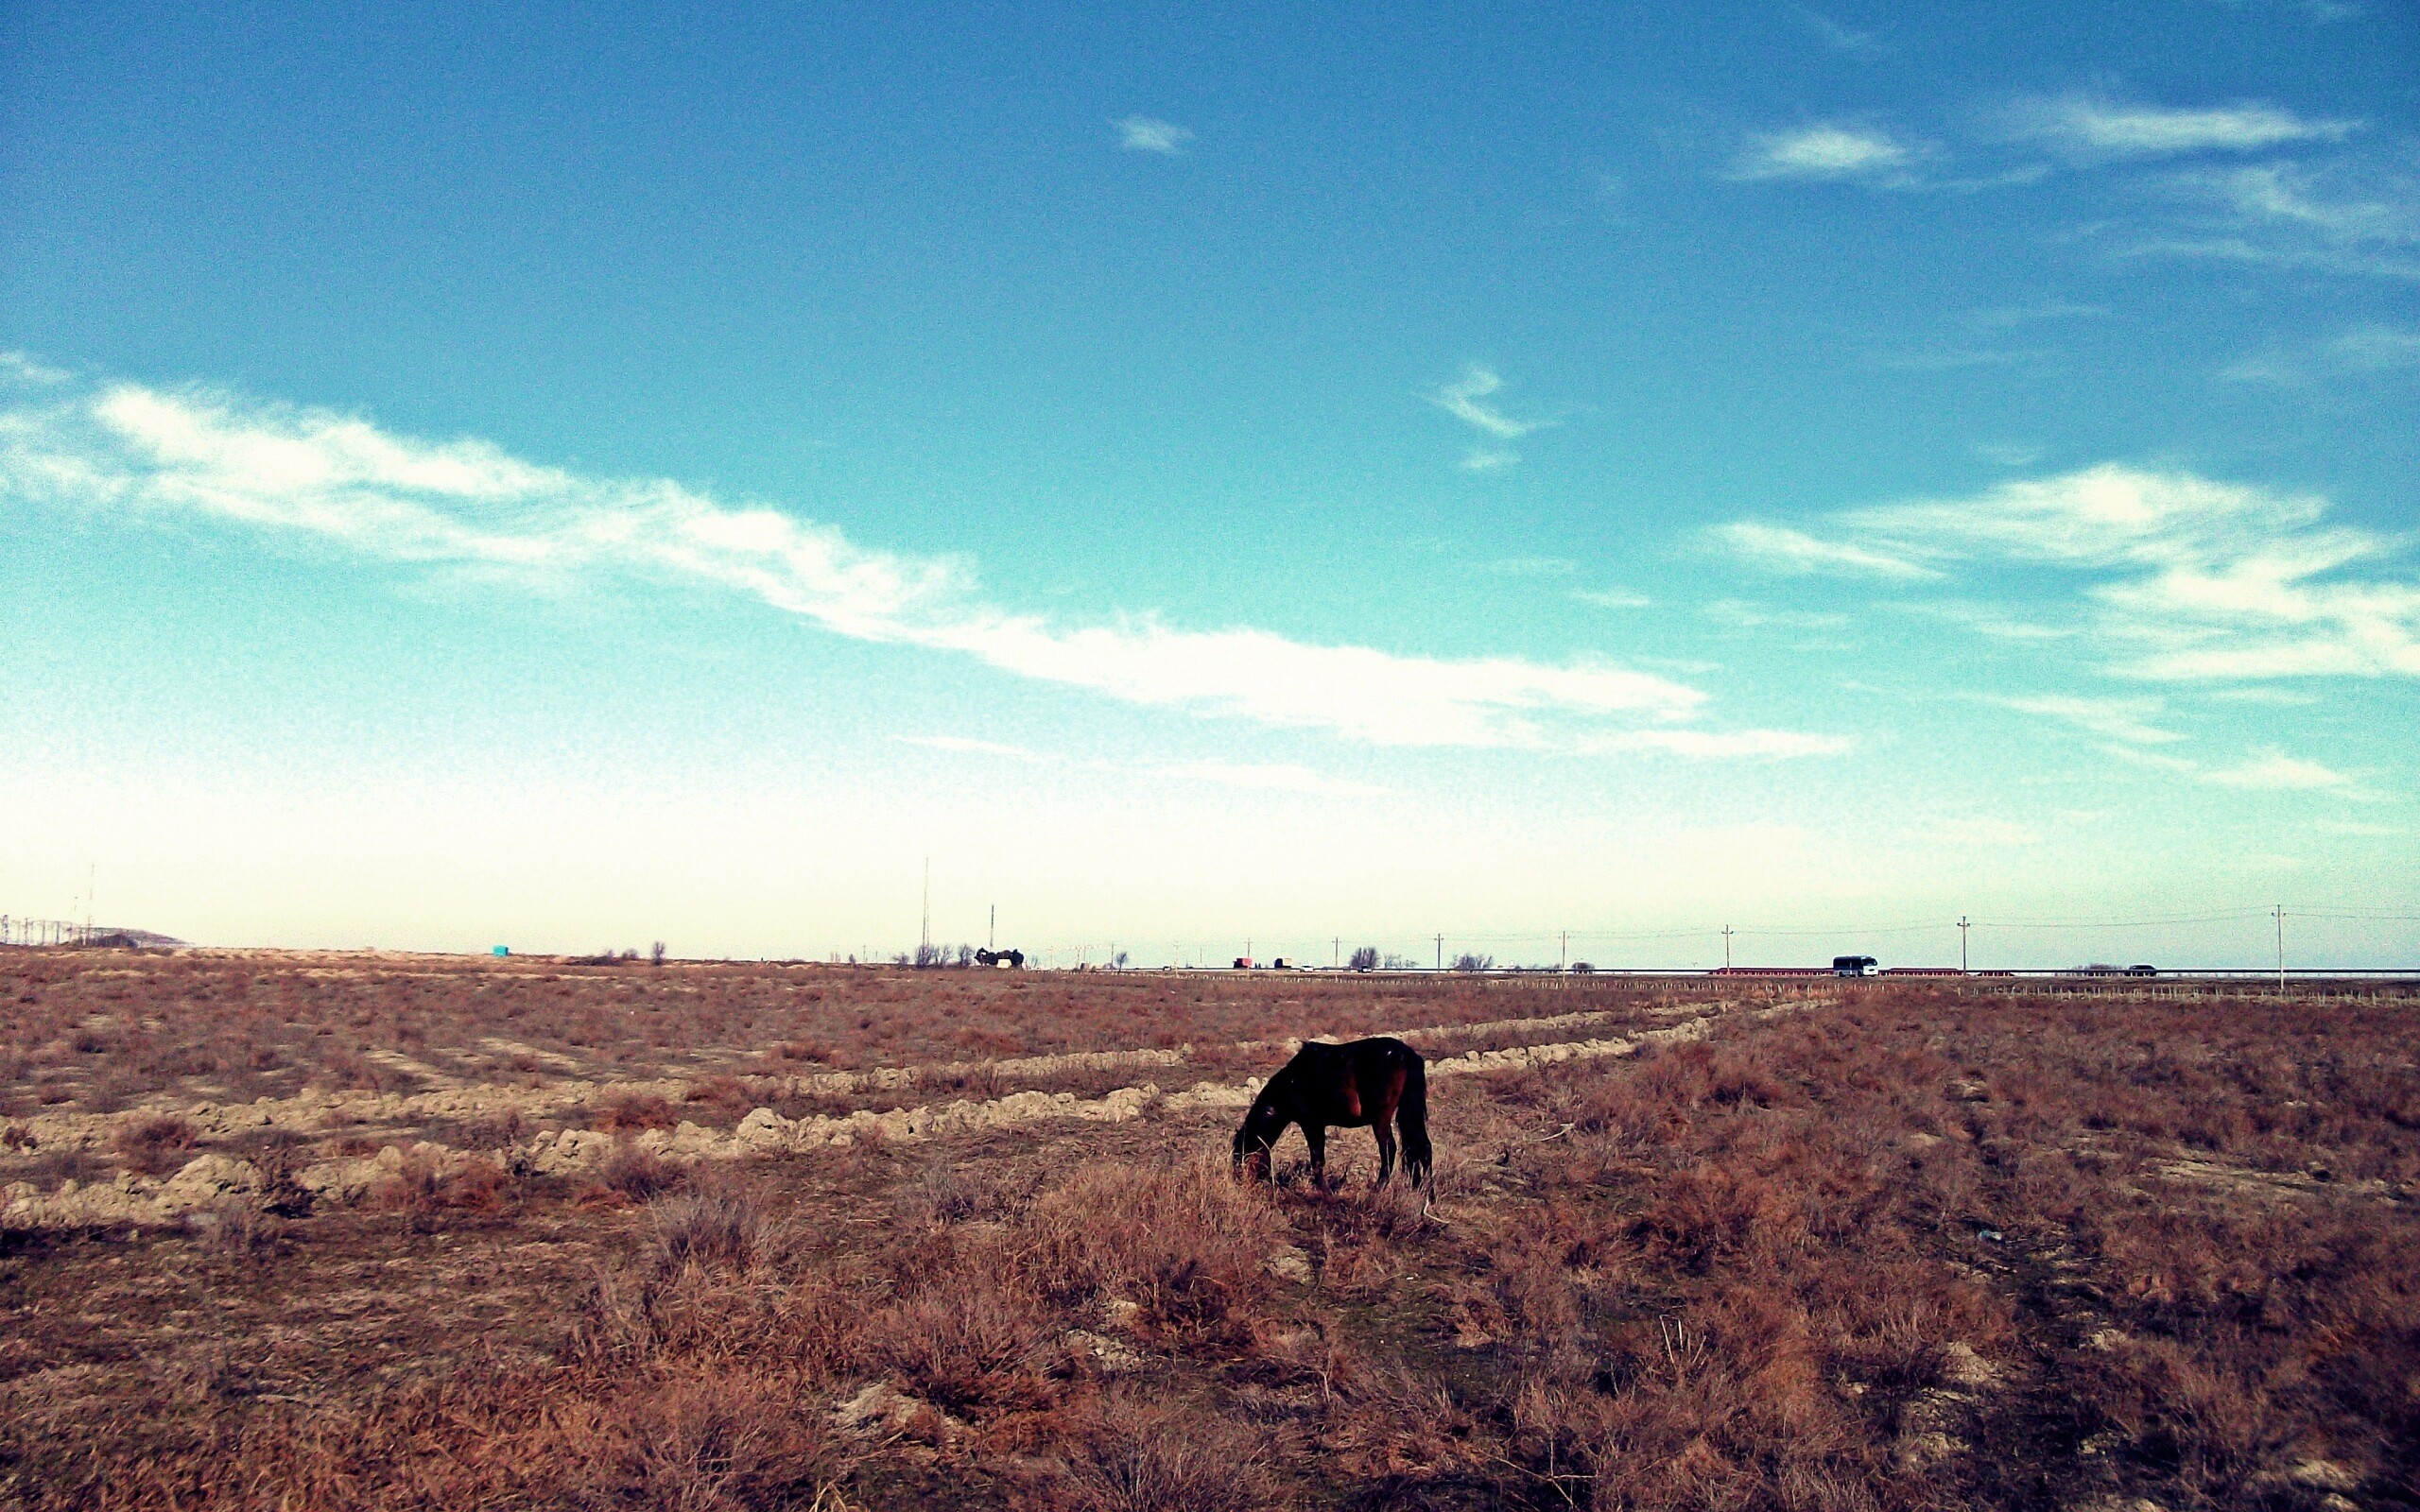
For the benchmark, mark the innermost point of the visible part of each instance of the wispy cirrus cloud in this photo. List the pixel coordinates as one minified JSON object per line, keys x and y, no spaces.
{"x":1142,"y":133}
{"x":2127,"y":720}
{"x":2360,"y":352}
{"x":1612,"y":597}
{"x":1853,"y":40}
{"x":2268,"y":771}
{"x":2274,"y":772}
{"x":2184,"y":579}
{"x":1466,"y":400}
{"x":2095,"y":128}
{"x":2355,"y":215}
{"x":1783,"y":549}
{"x":1831,"y":150}
{"x":309,"y":476}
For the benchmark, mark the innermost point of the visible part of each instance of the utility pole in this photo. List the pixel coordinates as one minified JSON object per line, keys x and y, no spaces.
{"x":1963,"y":927}
{"x":925,"y":933}
{"x":1441,"y":952}
{"x":1567,"y":950}
{"x":1336,"y":953}
{"x":1726,"y":947}
{"x":2280,"y":912}
{"x":991,"y":936}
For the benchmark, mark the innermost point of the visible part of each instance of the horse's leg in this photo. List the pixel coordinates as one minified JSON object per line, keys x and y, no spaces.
{"x":1315,"y":1135}
{"x":1382,"y":1125}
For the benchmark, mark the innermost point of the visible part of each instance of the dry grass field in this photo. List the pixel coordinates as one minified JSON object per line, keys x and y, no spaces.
{"x":292,"y":1231}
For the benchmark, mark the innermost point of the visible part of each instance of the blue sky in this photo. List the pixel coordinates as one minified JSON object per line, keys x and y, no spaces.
{"x":562,"y":476}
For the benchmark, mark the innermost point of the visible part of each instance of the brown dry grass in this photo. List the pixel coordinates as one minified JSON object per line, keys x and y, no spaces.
{"x":103,"y":1030}
{"x":1917,"y":1246}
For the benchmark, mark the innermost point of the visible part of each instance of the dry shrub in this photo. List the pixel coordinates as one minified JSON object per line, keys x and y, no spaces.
{"x":494,"y":1131}
{"x":1141,"y":1456}
{"x":1186,"y":1242}
{"x":2206,"y":1421}
{"x":677,"y":1439}
{"x":701,"y":1443}
{"x":724,"y":1226}
{"x":620,"y":1112}
{"x":721,"y":1097}
{"x":630,"y":1174}
{"x":990,"y":1043}
{"x":234,"y":1226}
{"x":1730,"y":1415}
{"x":975,"y":1341}
{"x":155,"y":1144}
{"x":1711,"y":1212}
{"x":425,"y":1191}
{"x":1405,"y":1429}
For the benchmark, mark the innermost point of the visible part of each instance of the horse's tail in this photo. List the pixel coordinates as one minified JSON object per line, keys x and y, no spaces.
{"x":1411,"y":1120}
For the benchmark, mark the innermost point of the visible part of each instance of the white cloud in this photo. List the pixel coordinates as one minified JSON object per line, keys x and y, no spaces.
{"x":1462,"y":401}
{"x":1743,"y":614}
{"x":2127,"y":720}
{"x":2360,"y":352}
{"x":2157,"y":761}
{"x":2188,"y":579}
{"x":1612,"y":597}
{"x":1141,"y":133}
{"x":2272,"y":698}
{"x":25,"y":370}
{"x":1841,"y":39}
{"x":2105,"y":516}
{"x":1823,"y":151}
{"x":2351,"y":217}
{"x":1787,"y":550}
{"x":2086,"y":126}
{"x":2008,"y":453}
{"x":1983,"y":619}
{"x":312,"y":476}
{"x":2278,"y":773}
{"x":2283,"y":192}
{"x":2376,"y":348}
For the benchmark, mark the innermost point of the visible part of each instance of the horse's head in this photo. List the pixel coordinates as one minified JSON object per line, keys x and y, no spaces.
{"x":1258,"y":1135}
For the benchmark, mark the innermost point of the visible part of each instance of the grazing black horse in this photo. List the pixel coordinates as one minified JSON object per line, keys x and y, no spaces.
{"x":1364,"y":1082}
